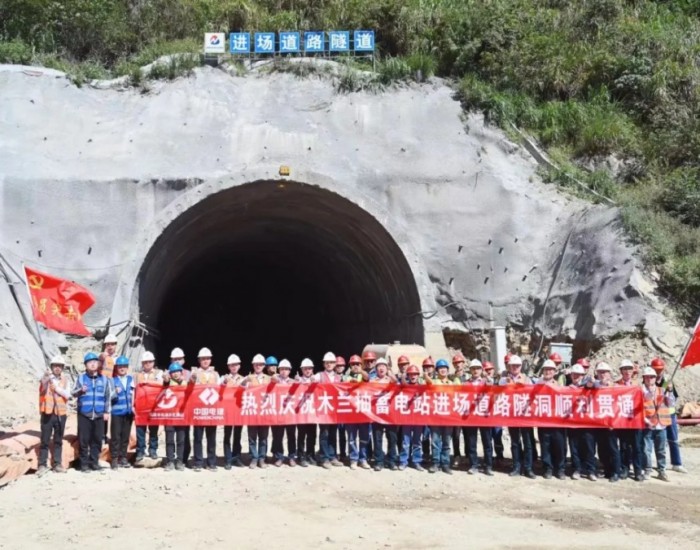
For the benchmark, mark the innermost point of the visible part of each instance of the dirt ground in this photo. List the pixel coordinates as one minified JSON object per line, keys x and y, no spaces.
{"x":339,"y":508}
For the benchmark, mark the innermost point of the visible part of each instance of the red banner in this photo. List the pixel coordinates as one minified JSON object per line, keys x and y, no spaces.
{"x":275,"y":404}
{"x":57,"y":303}
{"x":692,"y":352}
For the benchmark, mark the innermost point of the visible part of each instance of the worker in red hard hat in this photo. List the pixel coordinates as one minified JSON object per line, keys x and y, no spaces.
{"x":428,"y":373}
{"x":662,"y":381}
{"x":403,"y":361}
{"x":368,"y":360}
{"x":411,"y":452}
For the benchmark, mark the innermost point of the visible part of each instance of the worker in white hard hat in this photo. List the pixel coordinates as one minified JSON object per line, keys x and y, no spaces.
{"x":232,"y":434}
{"x":552,"y":440}
{"x":282,"y":378}
{"x":390,"y":459}
{"x":148,"y":374}
{"x":631,"y":440}
{"x":582,"y":440}
{"x":328,"y":433}
{"x":204,"y":375}
{"x":608,"y":445}
{"x":257,"y":435}
{"x":658,"y":404}
{"x":306,"y":433}
{"x":520,"y":438}
{"x":54,"y":394}
{"x":108,"y":356}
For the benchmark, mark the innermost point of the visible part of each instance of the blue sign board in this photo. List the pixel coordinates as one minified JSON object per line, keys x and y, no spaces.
{"x":314,"y":41}
{"x":290,"y":42}
{"x":364,"y":41}
{"x":239,"y":42}
{"x":264,"y":42}
{"x":339,"y":41}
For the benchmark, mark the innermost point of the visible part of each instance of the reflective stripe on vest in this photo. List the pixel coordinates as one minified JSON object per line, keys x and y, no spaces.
{"x":107,"y":365}
{"x":93,"y":401}
{"x":52,"y":403}
{"x":123,"y":404}
{"x":655,"y":409}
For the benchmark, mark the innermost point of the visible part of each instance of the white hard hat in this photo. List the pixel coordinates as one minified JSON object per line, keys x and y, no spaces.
{"x":329,"y":357}
{"x":649,"y":371}
{"x":258,"y":359}
{"x":204,"y":352}
{"x":626,"y":364}
{"x":475,"y":364}
{"x":549,"y":364}
{"x":177,"y":353}
{"x":110,"y":339}
{"x":381,"y":361}
{"x":602,"y":367}
{"x":515,"y":360}
{"x":307,"y":363}
{"x":578,"y":369}
{"x":57,"y":360}
{"x":233,"y":359}
{"x":147,"y":356}
{"x":284,"y":364}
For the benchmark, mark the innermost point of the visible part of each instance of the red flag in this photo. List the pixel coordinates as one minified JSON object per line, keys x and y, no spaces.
{"x":57,"y":303}
{"x":692,"y":352}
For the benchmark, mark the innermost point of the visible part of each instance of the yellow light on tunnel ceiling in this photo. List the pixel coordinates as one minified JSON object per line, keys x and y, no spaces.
{"x":284,"y":170}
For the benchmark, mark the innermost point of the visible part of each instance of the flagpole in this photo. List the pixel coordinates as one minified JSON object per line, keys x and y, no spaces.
{"x":31,"y":307}
{"x":685,"y":349}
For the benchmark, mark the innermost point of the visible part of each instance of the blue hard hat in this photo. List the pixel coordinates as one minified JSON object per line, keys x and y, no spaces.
{"x":174,"y":367}
{"x":90,"y":356}
{"x":121,"y":362}
{"x":441,"y":363}
{"x":272,"y":360}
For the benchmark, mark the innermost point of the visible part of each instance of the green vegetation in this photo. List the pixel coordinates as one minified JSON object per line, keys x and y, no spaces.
{"x":609,"y":87}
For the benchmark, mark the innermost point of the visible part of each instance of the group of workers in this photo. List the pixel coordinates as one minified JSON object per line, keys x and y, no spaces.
{"x":105,"y":397}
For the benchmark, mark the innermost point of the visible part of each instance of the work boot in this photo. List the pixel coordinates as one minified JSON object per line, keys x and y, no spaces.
{"x":614,"y":478}
{"x":326,"y":465}
{"x":378,"y":467}
{"x":680,"y":469}
{"x":514,"y":473}
{"x":488,"y":471}
{"x":402,"y":467}
{"x":95,"y":467}
{"x":576,"y":476}
{"x":261,"y":463}
{"x":42,"y":471}
{"x":124,"y":463}
{"x":560,"y":476}
{"x":547,"y":474}
{"x":353,"y":465}
{"x":169,"y":467}
{"x":238,"y":463}
{"x":663,"y":476}
{"x":115,"y":465}
{"x":227,"y":466}
{"x":364,"y":465}
{"x":624,"y":474}
{"x":648,"y":472}
{"x":639,"y":477}
{"x":279,"y":462}
{"x":139,"y":458}
{"x":419,"y":467}
{"x":212,"y":468}
{"x":472,"y":471}
{"x":59,"y":469}
{"x":447,"y":470}
{"x":336,"y":462}
{"x":393,"y":467}
{"x":179,"y":466}
{"x":153,"y":455}
{"x":433,"y":469}
{"x":197,"y":468}
{"x":530,"y":474}
{"x":592,"y":477}
{"x":304,"y":463}
{"x":292,"y":463}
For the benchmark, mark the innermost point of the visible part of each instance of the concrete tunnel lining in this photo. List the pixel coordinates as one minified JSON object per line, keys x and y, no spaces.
{"x":278,"y":268}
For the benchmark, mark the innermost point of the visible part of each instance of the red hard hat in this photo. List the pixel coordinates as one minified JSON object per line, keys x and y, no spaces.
{"x":488,"y":365}
{"x":369,"y":356}
{"x":412,"y":369}
{"x":657,"y":363}
{"x":339,"y":361}
{"x":403,"y":360}
{"x":583,"y":362}
{"x":355,"y":359}
{"x":555,"y":357}
{"x":457,"y":358}
{"x":428,"y":362}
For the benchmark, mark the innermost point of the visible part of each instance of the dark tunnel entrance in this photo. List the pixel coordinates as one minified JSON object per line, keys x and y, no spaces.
{"x":277,"y":268}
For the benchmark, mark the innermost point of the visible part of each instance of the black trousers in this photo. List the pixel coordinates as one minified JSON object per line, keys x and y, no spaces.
{"x":188,"y":445}
{"x":90,"y":436}
{"x":306,"y":440}
{"x":232,"y":450}
{"x":120,"y":429}
{"x":199,"y":432}
{"x":175,"y":443}
{"x":51,"y":424}
{"x":278,"y":439}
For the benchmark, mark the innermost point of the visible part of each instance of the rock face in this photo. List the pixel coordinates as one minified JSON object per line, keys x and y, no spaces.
{"x":399,"y":217}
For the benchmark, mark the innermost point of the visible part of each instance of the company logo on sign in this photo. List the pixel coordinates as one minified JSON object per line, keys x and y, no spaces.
{"x":209,"y":396}
{"x":214,"y":42}
{"x":167,"y":400}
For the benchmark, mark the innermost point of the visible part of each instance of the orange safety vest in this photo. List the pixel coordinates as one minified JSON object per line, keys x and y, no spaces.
{"x":656,"y":410}
{"x":107,"y":365}
{"x":208,"y":377}
{"x":52,"y":403}
{"x":144,"y":377}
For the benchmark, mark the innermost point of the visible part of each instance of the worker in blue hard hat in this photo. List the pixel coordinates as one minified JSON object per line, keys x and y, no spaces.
{"x":122,"y":412}
{"x":271,"y":364}
{"x":441,"y":435}
{"x":175,"y":436}
{"x":94,"y":406}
